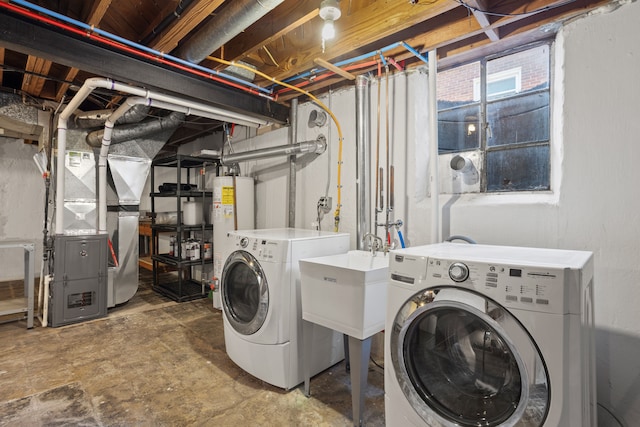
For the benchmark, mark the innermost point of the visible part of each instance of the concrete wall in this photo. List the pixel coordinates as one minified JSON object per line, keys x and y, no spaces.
{"x":593,"y":204}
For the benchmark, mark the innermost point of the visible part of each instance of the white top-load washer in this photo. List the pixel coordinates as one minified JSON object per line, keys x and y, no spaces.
{"x":260,"y":296}
{"x":480,"y":335}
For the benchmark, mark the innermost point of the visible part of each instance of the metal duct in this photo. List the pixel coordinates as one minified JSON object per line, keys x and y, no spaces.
{"x":318,"y":146}
{"x":92,"y":119}
{"x":139,"y":130}
{"x":231,"y":21}
{"x":363,"y":160}
{"x":293,"y":135}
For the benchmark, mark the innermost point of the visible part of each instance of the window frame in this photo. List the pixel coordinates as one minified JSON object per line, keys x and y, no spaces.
{"x":481,"y":83}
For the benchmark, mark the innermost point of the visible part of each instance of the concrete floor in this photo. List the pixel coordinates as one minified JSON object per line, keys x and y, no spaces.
{"x":154,"y":362}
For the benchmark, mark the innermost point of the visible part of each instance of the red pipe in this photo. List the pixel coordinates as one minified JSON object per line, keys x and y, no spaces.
{"x":120,"y":46}
{"x":328,"y":74}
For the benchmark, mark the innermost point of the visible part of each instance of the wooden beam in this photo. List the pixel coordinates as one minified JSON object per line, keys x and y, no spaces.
{"x":197,"y":12}
{"x":329,"y":66}
{"x":478,"y":6}
{"x":362,"y":28}
{"x":31,"y":83}
{"x":98,"y":11}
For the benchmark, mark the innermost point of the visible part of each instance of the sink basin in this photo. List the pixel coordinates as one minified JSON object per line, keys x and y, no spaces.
{"x":346,"y":292}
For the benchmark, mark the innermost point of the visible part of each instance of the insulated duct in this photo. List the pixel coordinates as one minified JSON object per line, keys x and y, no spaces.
{"x":138,"y":130}
{"x":318,"y":147}
{"x":236,"y":17}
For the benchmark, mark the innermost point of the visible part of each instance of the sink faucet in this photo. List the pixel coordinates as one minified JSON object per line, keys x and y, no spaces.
{"x":375,"y":242}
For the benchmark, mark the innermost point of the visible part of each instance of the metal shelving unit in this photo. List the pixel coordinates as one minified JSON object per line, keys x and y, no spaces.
{"x":181,"y":286}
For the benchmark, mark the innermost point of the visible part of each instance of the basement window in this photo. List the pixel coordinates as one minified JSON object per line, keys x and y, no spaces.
{"x":496,"y":112}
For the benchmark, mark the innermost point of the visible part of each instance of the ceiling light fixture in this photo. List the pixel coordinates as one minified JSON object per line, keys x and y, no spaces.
{"x":329,"y":12}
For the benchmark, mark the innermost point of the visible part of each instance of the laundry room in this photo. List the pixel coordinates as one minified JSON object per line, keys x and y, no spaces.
{"x":294,"y":227}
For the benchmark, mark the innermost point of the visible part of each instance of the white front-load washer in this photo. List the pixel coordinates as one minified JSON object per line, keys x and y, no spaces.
{"x":260,"y":295}
{"x":480,"y":335}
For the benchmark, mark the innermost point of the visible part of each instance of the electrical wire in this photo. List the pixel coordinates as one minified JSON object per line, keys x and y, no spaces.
{"x":532,"y":12}
{"x":336,"y":215}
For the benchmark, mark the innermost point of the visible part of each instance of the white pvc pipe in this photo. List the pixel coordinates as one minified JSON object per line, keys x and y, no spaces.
{"x":89,"y":85}
{"x":433,"y":148}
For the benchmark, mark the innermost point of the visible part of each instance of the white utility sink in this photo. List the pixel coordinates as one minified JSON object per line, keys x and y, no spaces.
{"x":346,"y":292}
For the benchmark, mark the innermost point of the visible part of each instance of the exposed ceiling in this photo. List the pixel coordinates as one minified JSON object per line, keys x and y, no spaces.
{"x":50,"y":60}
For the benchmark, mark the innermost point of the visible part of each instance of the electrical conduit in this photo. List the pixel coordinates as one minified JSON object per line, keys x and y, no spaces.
{"x":433,"y":149}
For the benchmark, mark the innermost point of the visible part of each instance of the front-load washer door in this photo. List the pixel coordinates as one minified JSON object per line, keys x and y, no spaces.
{"x":461,"y":359}
{"x":244,"y":293}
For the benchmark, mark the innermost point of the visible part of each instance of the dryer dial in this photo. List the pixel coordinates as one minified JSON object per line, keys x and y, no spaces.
{"x":458,"y":272}
{"x":244,"y":242}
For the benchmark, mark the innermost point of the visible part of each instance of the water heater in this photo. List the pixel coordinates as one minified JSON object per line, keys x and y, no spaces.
{"x":233,"y":208}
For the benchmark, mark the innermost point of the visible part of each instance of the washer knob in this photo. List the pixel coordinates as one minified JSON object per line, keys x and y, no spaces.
{"x":244,"y":242}
{"x":458,"y":272}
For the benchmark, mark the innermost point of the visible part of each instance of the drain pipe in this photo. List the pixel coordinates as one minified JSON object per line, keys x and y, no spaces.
{"x":318,"y":146}
{"x":433,"y":148}
{"x":94,"y":83}
{"x":293,"y":135}
{"x":231,"y":21}
{"x":363,"y":160}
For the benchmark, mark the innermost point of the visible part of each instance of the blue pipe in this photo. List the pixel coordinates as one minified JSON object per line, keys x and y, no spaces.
{"x":415,"y":52}
{"x":136,"y":45}
{"x":362,"y":57}
{"x":401,"y":239}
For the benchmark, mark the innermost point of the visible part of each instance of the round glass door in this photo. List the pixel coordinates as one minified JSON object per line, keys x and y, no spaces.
{"x":461,"y":359}
{"x":245,"y":293}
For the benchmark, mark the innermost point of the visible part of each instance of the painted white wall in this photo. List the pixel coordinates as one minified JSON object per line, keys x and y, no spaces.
{"x":21,"y":205}
{"x":593,"y":204}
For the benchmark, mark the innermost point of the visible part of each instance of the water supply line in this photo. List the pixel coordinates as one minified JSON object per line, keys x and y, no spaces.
{"x":156,"y":99}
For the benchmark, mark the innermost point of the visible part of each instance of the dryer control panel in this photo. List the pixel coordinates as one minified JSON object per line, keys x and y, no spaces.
{"x":265,"y":250}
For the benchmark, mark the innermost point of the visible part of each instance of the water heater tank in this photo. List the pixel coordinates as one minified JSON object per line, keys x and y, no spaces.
{"x":233,"y":209}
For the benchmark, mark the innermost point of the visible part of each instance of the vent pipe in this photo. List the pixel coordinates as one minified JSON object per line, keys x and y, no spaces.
{"x":318,"y":146}
{"x":363,"y":160}
{"x":236,"y":17}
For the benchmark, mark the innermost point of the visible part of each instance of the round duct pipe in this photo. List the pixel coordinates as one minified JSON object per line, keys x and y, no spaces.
{"x":138,"y":130}
{"x":318,"y":147}
{"x":236,"y":17}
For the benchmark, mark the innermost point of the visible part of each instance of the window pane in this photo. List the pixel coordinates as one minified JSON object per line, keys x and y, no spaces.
{"x":459,"y":129}
{"x":518,"y":120}
{"x":455,"y":86}
{"x":530,"y":68}
{"x":518,"y":169}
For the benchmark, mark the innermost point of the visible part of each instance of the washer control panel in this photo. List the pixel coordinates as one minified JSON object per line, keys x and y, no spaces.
{"x":515,"y":286}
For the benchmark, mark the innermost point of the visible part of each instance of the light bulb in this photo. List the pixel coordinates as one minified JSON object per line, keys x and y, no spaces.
{"x":328,"y":30}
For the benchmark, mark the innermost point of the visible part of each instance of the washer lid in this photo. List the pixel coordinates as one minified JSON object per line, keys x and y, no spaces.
{"x":461,"y":359}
